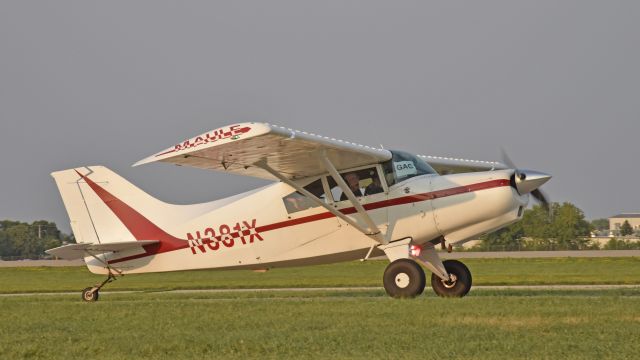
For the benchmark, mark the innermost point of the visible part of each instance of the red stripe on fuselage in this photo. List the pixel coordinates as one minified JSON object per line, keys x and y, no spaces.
{"x":143,"y":229}
{"x":391,"y":202}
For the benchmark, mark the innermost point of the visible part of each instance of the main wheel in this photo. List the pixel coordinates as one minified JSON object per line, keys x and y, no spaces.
{"x":460,"y":283}
{"x":88,"y":295}
{"x":404,"y":278}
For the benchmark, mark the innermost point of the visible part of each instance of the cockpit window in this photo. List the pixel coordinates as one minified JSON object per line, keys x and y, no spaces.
{"x":403,"y":166}
{"x":362,"y":182}
{"x":295,"y":201}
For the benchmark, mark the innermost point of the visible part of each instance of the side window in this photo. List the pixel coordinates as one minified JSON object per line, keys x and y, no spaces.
{"x":295,"y":201}
{"x":362,"y":182}
{"x":388,"y":173}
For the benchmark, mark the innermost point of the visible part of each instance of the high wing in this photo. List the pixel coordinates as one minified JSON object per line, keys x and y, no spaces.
{"x":78,"y":251}
{"x":447,"y":165}
{"x":294,"y":154}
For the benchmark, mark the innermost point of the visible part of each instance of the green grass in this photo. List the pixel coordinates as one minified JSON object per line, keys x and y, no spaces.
{"x":319,"y":324}
{"x":485,"y":272}
{"x":324,"y":325}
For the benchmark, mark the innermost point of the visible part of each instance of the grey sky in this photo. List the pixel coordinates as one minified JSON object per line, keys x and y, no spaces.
{"x":85,"y":83}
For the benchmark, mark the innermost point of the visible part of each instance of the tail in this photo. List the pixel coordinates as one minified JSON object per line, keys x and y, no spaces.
{"x":103,"y":207}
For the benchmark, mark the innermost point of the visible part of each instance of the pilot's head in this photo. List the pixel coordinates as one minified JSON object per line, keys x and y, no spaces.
{"x":353,"y":180}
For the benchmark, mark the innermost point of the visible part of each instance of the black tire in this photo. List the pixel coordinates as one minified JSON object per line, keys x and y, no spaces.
{"x":89,"y":296}
{"x":457,"y":288}
{"x":404,"y":278}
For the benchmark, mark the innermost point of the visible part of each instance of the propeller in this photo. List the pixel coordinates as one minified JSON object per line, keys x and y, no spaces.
{"x":528,"y":181}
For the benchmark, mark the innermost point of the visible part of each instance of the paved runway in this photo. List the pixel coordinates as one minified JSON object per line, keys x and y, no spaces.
{"x":335,"y":289}
{"x":444,"y":255}
{"x":32,"y":263}
{"x":540,"y":254}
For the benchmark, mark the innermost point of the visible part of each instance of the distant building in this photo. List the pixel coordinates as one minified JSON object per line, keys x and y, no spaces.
{"x":615,"y":222}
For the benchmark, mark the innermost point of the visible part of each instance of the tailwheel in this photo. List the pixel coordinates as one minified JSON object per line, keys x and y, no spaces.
{"x":404,"y":278}
{"x":459,"y":282}
{"x":90,"y":294}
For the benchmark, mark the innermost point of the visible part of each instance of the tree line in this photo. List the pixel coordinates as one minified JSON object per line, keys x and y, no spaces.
{"x":22,"y":240}
{"x":560,"y":227}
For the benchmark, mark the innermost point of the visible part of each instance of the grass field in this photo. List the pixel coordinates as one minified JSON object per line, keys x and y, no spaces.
{"x":485,"y":272}
{"x":487,"y":324}
{"x":321,"y":325}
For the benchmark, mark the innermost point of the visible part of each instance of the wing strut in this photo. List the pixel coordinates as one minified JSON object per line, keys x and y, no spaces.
{"x":263,"y":165}
{"x":372,"y":228}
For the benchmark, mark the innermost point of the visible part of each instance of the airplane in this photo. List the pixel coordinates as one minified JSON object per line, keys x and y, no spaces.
{"x":330,"y":201}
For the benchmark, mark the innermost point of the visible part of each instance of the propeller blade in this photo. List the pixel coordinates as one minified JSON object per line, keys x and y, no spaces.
{"x":541,"y":197}
{"x":507,"y":160}
{"x":537,"y":193}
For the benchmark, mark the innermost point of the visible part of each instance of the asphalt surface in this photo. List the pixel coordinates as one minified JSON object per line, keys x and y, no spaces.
{"x":444,"y":255}
{"x":32,"y":263}
{"x":336,"y":289}
{"x":540,"y":254}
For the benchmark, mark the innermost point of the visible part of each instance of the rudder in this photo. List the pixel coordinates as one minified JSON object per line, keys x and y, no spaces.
{"x":92,"y":219}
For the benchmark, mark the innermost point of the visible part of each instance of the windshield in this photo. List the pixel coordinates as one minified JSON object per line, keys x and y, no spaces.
{"x":404,"y":165}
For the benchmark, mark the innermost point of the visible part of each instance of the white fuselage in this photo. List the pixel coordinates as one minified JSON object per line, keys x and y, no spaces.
{"x":256,"y":232}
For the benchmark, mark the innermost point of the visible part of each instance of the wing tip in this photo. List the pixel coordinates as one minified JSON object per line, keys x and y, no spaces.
{"x":143,"y":161}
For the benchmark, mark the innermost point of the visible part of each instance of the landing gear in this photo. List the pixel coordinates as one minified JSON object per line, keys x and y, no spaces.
{"x":459,"y":283}
{"x":92,"y":294}
{"x":404,"y":278}
{"x":89,"y":294}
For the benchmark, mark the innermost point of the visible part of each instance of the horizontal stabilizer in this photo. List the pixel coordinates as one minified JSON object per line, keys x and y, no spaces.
{"x":78,"y":251}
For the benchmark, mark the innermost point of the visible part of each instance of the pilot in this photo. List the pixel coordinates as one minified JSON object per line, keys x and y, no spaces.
{"x":374,"y":187}
{"x":353,"y":180}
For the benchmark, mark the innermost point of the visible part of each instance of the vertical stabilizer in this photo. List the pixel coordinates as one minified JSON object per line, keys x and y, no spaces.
{"x":91,"y":212}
